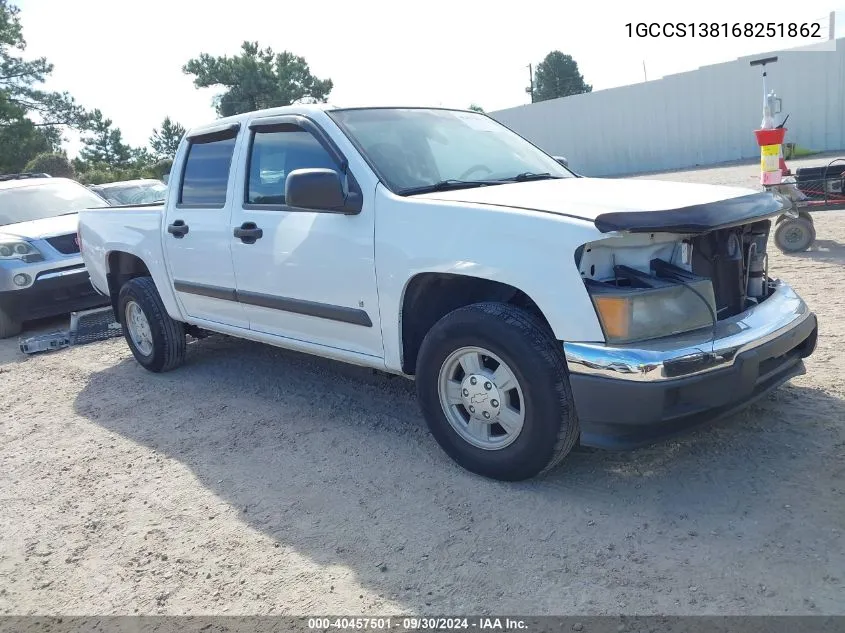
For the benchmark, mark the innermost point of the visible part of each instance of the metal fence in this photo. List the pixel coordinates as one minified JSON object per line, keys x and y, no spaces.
{"x":702,"y":117}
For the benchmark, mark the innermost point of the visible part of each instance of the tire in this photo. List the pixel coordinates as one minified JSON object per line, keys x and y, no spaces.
{"x":162,"y":346}
{"x":542,"y":396}
{"x":794,"y":235}
{"x":8,"y":326}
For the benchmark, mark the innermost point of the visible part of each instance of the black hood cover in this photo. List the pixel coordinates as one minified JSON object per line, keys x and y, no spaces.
{"x":699,"y":218}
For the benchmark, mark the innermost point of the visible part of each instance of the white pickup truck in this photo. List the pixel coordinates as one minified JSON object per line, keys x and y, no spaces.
{"x":535,"y":308}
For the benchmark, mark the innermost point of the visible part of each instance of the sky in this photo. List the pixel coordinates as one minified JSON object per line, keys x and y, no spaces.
{"x":126,"y":58}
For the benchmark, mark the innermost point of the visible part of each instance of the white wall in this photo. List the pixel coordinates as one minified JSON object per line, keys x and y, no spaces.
{"x":700,"y":117}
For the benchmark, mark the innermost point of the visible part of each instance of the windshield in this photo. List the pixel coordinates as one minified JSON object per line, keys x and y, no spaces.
{"x":414,"y":150}
{"x":45,"y":200}
{"x":135,"y":194}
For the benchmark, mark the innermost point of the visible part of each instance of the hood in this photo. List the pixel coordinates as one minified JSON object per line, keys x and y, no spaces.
{"x":46,"y":227}
{"x":628,"y":205}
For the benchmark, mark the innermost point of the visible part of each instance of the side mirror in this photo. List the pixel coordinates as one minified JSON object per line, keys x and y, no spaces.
{"x":562,"y":160}
{"x":319,"y":189}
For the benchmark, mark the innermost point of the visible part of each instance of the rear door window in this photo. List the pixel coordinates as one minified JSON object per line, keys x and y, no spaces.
{"x":207,"y":173}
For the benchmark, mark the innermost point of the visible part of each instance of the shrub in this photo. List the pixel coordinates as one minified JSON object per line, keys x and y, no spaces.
{"x":56,"y":165}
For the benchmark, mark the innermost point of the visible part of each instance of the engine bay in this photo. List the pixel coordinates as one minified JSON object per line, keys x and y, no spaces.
{"x":736,"y":261}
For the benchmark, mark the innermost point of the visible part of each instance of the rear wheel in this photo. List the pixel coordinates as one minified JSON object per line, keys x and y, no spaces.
{"x":156,"y":340}
{"x":493,"y":387}
{"x":794,"y":235}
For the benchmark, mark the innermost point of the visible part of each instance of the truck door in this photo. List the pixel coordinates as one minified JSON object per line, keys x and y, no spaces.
{"x":198,"y":235}
{"x":302,"y":274}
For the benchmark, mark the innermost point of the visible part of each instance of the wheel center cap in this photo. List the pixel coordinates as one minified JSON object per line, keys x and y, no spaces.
{"x":480,"y":397}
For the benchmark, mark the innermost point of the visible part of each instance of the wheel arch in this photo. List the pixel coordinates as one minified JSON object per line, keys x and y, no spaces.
{"x":429,"y":296}
{"x":123,"y":265}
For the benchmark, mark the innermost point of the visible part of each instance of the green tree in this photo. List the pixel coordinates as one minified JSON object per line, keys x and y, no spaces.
{"x":165,"y":141}
{"x":558,"y":76}
{"x":20,"y":95}
{"x":257,"y":79}
{"x":103,"y":144}
{"x":162,"y":168}
{"x":55,"y":164}
{"x":476,"y":108}
{"x":96,"y":176}
{"x":31,"y":119}
{"x":21,"y":141}
{"x":141,"y":157}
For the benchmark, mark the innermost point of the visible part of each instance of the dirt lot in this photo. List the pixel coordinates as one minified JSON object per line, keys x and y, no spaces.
{"x":259,"y":481}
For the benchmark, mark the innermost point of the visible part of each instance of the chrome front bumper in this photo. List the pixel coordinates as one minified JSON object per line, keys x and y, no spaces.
{"x":696,"y":353}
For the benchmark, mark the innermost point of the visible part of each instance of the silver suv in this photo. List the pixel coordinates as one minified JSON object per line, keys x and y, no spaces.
{"x":41,"y":269}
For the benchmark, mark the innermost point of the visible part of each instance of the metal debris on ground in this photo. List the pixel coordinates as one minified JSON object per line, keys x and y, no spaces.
{"x":85,"y":327}
{"x":45,"y":342}
{"x":93,"y":325}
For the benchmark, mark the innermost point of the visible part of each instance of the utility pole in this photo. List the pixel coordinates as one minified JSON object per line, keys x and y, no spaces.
{"x":530,"y":89}
{"x":832,"y":26}
{"x":645,"y":76}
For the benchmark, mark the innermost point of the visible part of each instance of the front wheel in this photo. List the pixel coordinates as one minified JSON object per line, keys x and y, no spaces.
{"x":156,"y":340}
{"x":493,"y":386}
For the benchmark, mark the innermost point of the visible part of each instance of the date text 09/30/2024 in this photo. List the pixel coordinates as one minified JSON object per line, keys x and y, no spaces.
{"x":417,"y":624}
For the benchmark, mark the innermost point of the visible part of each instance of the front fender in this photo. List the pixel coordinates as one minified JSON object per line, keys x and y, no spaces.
{"x":531,"y":251}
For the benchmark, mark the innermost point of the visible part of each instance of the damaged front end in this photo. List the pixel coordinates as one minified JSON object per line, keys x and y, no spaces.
{"x":694,"y":325}
{"x":661,"y":273}
{"x":660,"y":284}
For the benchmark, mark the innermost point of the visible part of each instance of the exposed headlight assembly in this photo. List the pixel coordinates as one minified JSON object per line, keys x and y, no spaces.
{"x":637,"y":306}
{"x":17,"y":249}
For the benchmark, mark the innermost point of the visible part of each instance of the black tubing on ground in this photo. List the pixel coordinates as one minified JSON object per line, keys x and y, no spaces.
{"x":536,"y":358}
{"x":169,"y":342}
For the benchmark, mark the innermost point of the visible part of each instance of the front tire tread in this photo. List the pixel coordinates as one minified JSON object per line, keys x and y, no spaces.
{"x":528,"y":341}
{"x":169,"y":342}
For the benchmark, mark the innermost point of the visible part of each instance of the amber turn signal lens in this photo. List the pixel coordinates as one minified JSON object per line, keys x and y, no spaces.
{"x":615,"y":315}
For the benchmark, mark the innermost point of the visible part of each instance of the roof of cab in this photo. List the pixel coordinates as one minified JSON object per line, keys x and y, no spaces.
{"x":300,"y":108}
{"x":303,"y":108}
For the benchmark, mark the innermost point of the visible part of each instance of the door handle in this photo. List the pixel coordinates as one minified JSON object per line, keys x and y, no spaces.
{"x":248,"y":233}
{"x":178,"y":229}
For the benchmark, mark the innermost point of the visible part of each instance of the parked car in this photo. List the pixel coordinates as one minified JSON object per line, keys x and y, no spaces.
{"x":535,"y":308}
{"x":41,"y":269}
{"x":141,"y":191}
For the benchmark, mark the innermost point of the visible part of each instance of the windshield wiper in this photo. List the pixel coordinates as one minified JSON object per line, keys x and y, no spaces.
{"x":451,"y":184}
{"x":530,"y":175}
{"x":447,"y":185}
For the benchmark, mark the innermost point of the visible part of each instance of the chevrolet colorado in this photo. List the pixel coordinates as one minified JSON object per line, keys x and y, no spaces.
{"x":533,"y":307}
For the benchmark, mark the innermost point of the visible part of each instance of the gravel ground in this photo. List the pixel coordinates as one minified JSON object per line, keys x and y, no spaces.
{"x":258,"y":481}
